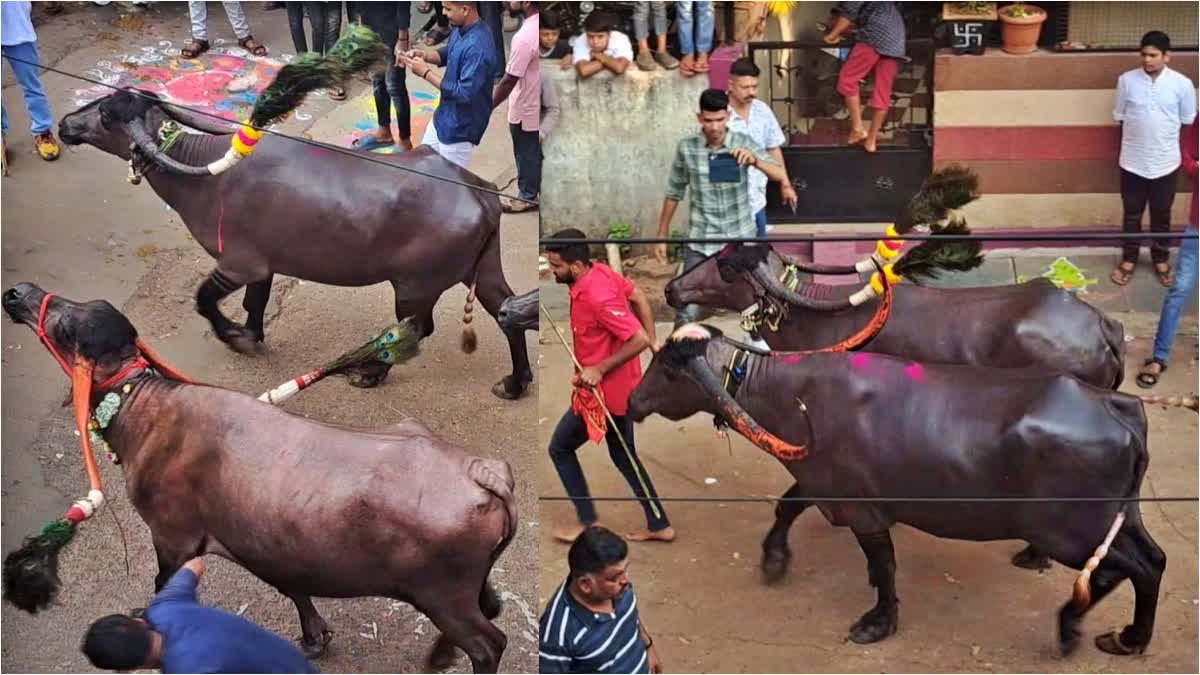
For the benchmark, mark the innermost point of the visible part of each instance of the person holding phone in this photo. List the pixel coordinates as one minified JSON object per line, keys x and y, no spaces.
{"x":714,"y":165}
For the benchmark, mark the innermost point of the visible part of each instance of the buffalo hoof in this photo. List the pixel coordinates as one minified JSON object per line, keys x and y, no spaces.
{"x":241,"y":341}
{"x":368,"y":375}
{"x":775,"y":566}
{"x":315,"y":650}
{"x":504,"y":389}
{"x":874,"y":626}
{"x":1068,"y":634}
{"x":1031,"y":559}
{"x":1113,"y":644}
{"x":441,"y":658}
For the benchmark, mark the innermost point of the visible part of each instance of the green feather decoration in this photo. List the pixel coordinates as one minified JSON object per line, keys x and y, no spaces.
{"x":933,"y":256}
{"x":952,"y":187}
{"x":31,"y":572}
{"x":395,"y":345}
{"x":358,"y":49}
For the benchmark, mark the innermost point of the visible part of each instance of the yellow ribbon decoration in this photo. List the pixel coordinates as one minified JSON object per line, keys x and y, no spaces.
{"x":892,"y":277}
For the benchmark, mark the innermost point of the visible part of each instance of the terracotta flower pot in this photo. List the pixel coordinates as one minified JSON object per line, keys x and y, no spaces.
{"x":1020,"y":33}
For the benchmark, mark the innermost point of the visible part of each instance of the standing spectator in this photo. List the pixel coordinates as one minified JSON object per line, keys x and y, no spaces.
{"x":641,"y":31}
{"x":492,"y":15}
{"x":325,"y":20}
{"x":694,"y":22}
{"x":601,"y":47}
{"x":466,"y":86}
{"x":749,"y":115}
{"x":390,"y":20}
{"x":720,"y":202}
{"x":612,"y":323}
{"x":879,"y":48}
{"x":1152,"y":103}
{"x":549,"y":39}
{"x":179,"y":635}
{"x":237,"y":18}
{"x":522,"y":86}
{"x":20,"y":42}
{"x":591,"y":623}
{"x":1185,"y":273}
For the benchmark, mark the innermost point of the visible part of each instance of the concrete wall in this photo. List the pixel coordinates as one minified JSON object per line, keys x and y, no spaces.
{"x":608,"y":160}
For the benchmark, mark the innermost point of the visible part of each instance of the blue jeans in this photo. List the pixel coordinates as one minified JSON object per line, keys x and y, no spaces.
{"x":1184,"y":284}
{"x":702,"y":40}
{"x":36,"y":103}
{"x":569,"y":436}
{"x":760,"y":223}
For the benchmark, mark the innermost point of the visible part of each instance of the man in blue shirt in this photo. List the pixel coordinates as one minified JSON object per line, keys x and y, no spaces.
{"x":466,"y":85}
{"x":179,"y":635}
{"x":591,"y":624}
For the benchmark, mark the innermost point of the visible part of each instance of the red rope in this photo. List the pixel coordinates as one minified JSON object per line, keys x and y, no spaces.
{"x":220,"y":224}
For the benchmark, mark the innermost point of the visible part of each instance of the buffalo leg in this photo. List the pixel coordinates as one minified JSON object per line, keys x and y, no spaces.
{"x":1113,"y":569}
{"x":316,"y":632}
{"x":1150,"y":562}
{"x":776,"y":553}
{"x":1031,"y":558}
{"x":255,"y":304}
{"x":883,"y":619}
{"x":492,"y":289}
{"x":461,"y":620}
{"x":215,"y":288}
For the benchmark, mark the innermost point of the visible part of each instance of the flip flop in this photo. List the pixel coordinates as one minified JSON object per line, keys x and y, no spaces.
{"x":369,"y":142}
{"x":1121,"y":275}
{"x":1147,"y":379}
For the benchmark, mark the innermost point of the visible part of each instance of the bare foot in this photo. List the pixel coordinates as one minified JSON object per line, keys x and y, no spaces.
{"x":869,"y":145}
{"x":702,"y":63}
{"x":568,"y":535}
{"x":857,"y":136}
{"x":665,"y":534}
{"x":405,"y":145}
{"x":687,"y":65}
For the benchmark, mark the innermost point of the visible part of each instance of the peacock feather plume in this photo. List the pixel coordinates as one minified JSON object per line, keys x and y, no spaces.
{"x":952,"y":187}
{"x":934,"y":256}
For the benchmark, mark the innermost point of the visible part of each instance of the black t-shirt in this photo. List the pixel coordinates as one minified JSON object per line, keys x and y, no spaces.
{"x":559,"y":50}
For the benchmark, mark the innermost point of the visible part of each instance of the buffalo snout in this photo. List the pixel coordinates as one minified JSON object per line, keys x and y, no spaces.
{"x":16,"y":301}
{"x":70,"y":131}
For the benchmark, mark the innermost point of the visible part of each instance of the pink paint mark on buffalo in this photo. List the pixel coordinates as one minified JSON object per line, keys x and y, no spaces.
{"x":915,"y":372}
{"x":860,"y":360}
{"x":789,"y":358}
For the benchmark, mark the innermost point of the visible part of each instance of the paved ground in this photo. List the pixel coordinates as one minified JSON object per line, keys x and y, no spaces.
{"x":964,"y":608}
{"x":78,"y":228}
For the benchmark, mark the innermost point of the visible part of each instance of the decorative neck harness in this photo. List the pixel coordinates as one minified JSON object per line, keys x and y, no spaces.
{"x":767,"y":311}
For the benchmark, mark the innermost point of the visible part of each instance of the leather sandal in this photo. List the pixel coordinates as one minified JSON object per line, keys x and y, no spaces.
{"x":194,"y":48}
{"x":1147,"y":378}
{"x":1122,"y":273}
{"x":1163,"y":272}
{"x":253,"y":46}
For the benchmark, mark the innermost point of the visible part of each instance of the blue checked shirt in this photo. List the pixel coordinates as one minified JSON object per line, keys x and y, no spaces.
{"x":879,"y":25}
{"x":717,"y":209}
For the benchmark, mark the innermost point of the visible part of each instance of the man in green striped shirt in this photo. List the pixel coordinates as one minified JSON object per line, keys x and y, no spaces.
{"x":713,"y":164}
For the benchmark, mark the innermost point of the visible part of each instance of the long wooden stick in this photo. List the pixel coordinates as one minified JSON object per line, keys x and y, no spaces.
{"x":628,"y":453}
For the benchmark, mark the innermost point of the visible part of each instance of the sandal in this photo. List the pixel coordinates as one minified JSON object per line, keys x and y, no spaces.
{"x":1122,"y":274}
{"x":369,"y":142}
{"x":1147,"y":378}
{"x":435,"y":36}
{"x":337,"y":93}
{"x":251,"y":45}
{"x":194,"y":48}
{"x":1163,"y":272}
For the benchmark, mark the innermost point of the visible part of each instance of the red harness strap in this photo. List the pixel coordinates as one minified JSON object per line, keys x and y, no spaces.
{"x":40,"y":329}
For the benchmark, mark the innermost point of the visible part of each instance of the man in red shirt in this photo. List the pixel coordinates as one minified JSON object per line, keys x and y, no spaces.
{"x":608,"y":335}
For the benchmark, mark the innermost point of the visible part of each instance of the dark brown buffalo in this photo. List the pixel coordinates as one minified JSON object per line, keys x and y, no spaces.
{"x":875,"y":425}
{"x":312,"y":509}
{"x":1030,"y":324}
{"x":316,"y":214}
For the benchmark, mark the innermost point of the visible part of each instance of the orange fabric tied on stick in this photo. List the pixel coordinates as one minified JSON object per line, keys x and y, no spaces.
{"x":586,"y":404}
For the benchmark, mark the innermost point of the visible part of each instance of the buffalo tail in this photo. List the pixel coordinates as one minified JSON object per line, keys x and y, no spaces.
{"x":1082,"y":596}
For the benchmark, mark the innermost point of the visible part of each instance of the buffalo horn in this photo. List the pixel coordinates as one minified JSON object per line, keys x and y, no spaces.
{"x":145,"y":142}
{"x":198,"y":122}
{"x":817,"y":268}
{"x":763,"y":275}
{"x":738,"y":418}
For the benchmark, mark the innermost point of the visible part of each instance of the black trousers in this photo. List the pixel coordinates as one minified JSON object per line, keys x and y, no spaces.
{"x":1136,"y":194}
{"x":326,"y":20}
{"x":492,"y":14}
{"x":528,"y":152}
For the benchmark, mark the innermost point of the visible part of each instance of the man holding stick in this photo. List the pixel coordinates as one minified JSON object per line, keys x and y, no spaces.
{"x":611,"y":323}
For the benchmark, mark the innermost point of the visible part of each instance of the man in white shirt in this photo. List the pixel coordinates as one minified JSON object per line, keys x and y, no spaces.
{"x":1153,"y":103}
{"x":751,"y":116}
{"x":600,"y":47}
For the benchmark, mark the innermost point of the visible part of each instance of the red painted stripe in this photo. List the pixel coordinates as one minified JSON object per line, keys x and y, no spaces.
{"x":1026,"y":143}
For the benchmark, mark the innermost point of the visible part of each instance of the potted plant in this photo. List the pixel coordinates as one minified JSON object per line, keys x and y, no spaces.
{"x":1020,"y":25}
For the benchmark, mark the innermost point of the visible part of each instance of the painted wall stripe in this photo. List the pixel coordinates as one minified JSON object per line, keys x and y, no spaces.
{"x":1040,"y":211}
{"x":1027,"y":143}
{"x":1038,"y":176}
{"x":996,"y":70}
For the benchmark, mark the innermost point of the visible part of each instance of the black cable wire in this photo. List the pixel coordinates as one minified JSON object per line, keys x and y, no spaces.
{"x":306,"y":141}
{"x":817,"y":238}
{"x":956,"y":500}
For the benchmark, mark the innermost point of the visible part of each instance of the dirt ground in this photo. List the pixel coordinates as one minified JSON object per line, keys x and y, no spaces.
{"x":78,"y":228}
{"x":964,"y":608}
